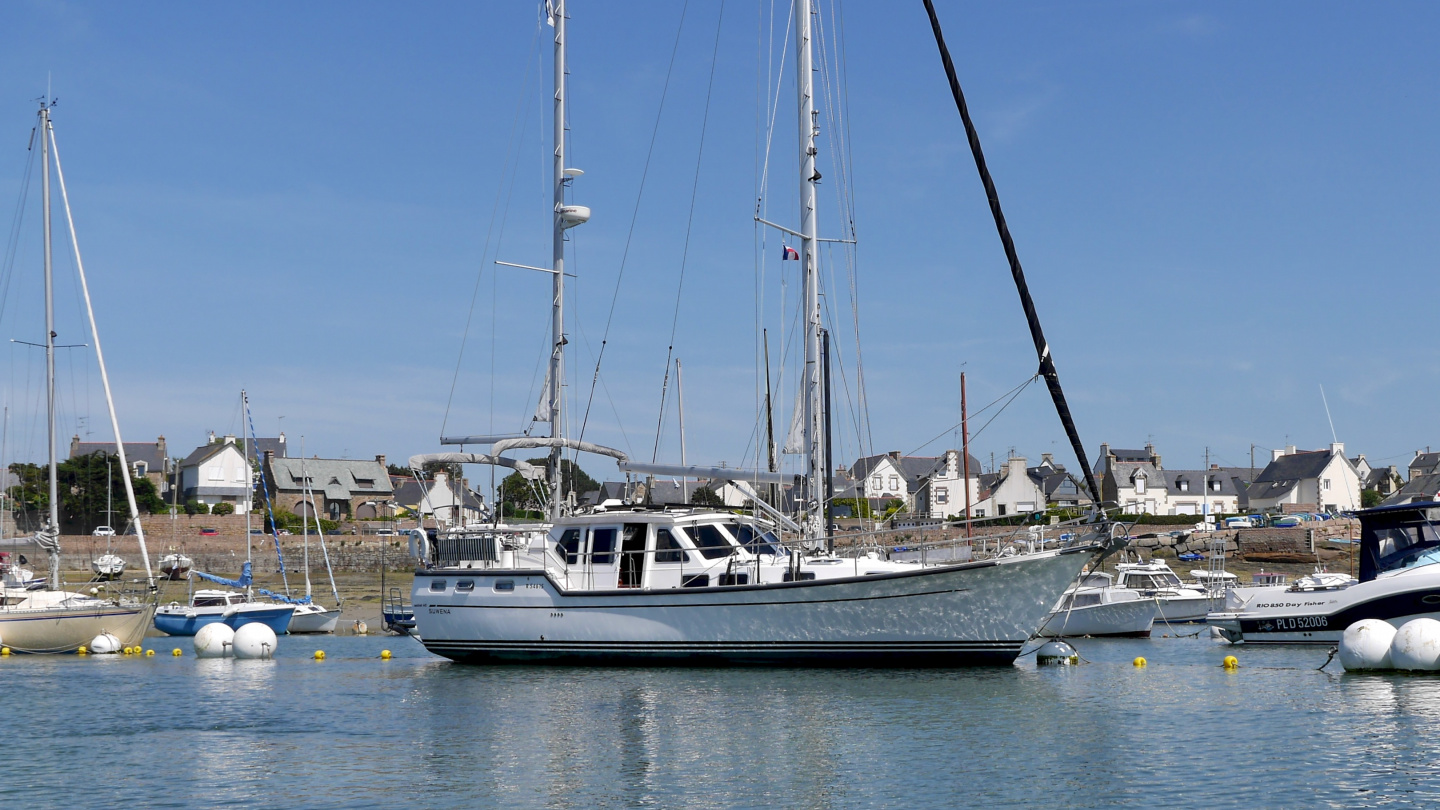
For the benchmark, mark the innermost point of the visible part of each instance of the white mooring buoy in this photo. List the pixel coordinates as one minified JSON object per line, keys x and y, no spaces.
{"x":1366,"y":645}
{"x":1416,"y":646}
{"x":105,"y":644}
{"x":1056,"y":653}
{"x":255,"y":640}
{"x":214,"y":640}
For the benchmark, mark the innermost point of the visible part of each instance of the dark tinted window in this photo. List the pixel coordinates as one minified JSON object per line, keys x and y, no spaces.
{"x":602,"y":546}
{"x":710,"y":541}
{"x":569,"y":546}
{"x":755,"y":542}
{"x":668,"y":549}
{"x":465,"y":585}
{"x":695,"y":581}
{"x":505,"y":585}
{"x":734,"y":579}
{"x":437,"y":584}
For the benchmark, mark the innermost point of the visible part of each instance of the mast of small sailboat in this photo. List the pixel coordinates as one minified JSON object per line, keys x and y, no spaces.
{"x":814,"y":406}
{"x":557,"y":267}
{"x":53,"y":526}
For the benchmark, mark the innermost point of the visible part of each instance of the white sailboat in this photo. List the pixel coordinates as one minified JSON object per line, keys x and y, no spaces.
{"x":109,"y":565}
{"x":311,"y":616}
{"x":694,"y":586}
{"x":50,"y":619}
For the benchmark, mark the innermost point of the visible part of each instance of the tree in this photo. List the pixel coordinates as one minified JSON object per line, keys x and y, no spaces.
{"x":1369,"y":498}
{"x":82,"y":486}
{"x":518,"y":493}
{"x":194,"y":507}
{"x":705,"y":496}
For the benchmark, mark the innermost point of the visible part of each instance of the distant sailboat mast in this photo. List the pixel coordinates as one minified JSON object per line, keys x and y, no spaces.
{"x":557,"y":267}
{"x":52,"y":527}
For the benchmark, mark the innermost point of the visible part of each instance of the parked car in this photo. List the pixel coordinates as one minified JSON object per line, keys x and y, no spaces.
{"x":209,"y":532}
{"x":1286,"y":522}
{"x":103,"y":531}
{"x":1241,"y":522}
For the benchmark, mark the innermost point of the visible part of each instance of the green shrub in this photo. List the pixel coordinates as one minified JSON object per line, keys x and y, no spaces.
{"x":223,"y":509}
{"x":193,"y":507}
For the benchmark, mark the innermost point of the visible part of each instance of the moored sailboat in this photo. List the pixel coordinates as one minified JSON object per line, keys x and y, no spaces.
{"x":631,"y":584}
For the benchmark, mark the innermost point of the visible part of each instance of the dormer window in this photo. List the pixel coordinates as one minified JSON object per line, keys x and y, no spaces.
{"x":141,"y":468}
{"x":1214,"y":486}
{"x":1184,"y":485}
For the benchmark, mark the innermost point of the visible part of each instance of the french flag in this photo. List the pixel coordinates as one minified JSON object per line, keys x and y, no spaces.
{"x":790,"y":253}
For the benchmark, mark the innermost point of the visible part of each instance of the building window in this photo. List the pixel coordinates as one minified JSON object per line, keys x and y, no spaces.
{"x":1326,"y":483}
{"x":1184,"y":485}
{"x":217,"y":474}
{"x":141,"y":468}
{"x":1000,"y":510}
{"x":942,"y":495}
{"x":1140,"y":485}
{"x":894,"y":482}
{"x":876,"y":483}
{"x":1214,"y":486}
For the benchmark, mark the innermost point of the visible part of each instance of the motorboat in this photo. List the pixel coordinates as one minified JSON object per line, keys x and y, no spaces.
{"x":1097,"y":607}
{"x":1399,"y":581}
{"x":14,"y":576}
{"x":207,"y":606}
{"x":175,"y":566}
{"x":108,"y":567}
{"x":1178,"y":601}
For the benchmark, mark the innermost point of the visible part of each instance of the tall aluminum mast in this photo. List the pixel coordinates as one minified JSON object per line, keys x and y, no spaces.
{"x":557,"y":305}
{"x":814,"y":436}
{"x":54,"y":518}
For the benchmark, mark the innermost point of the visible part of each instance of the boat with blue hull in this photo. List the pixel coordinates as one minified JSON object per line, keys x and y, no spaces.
{"x":227,"y":607}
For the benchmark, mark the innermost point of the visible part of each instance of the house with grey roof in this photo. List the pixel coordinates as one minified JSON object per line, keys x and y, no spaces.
{"x":340,"y":488}
{"x":930,"y":486}
{"x":1307,"y":480}
{"x":1215,"y":491}
{"x":1133,"y":480}
{"x":146,"y":459}
{"x":217,"y":473}
{"x":447,"y":502}
{"x":1426,"y":463}
{"x":1383,"y":480}
{"x":1419,"y":489}
{"x":1018,"y":489}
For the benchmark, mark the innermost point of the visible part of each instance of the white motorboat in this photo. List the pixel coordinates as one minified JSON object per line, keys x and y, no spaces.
{"x":1178,"y":601}
{"x":1097,"y":607}
{"x":1399,"y":581}
{"x":53,"y":620}
{"x":175,"y":566}
{"x":108,"y":567}
{"x":14,"y":576}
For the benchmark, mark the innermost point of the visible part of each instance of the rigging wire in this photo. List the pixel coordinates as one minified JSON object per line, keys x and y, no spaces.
{"x":634,"y":216}
{"x":689,"y":222}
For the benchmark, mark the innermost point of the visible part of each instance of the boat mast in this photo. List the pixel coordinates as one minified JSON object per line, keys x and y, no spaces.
{"x":814,"y":406}
{"x":557,"y":267}
{"x":52,"y":548}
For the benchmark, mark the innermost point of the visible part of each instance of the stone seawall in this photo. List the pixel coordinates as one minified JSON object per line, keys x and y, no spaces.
{"x":1299,"y":544}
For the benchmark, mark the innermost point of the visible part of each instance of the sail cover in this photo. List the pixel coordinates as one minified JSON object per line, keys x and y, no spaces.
{"x":280,"y":597}
{"x":242,"y":582}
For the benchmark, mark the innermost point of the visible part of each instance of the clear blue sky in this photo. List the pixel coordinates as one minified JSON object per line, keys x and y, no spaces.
{"x":1220,"y":207}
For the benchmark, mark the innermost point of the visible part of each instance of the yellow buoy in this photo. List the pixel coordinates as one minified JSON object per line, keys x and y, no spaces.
{"x":1139,"y":662}
{"x":149,"y":652}
{"x":176,"y":652}
{"x":4,"y":650}
{"x":1230,"y":662}
{"x":128,"y":650}
{"x":82,"y":650}
{"x":384,"y":655}
{"x":319,"y":655}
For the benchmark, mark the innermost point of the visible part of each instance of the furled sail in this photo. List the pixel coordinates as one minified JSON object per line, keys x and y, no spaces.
{"x":243,"y":582}
{"x":280,"y":597}
{"x":542,"y":409}
{"x":795,"y":438}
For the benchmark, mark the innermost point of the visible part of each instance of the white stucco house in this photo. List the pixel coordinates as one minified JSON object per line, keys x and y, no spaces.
{"x":217,"y":473}
{"x":1133,"y":480}
{"x":1304,"y":480}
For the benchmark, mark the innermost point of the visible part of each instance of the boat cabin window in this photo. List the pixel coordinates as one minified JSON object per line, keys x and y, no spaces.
{"x":695,"y":581}
{"x":465,"y":585}
{"x":734,"y":579}
{"x":602,"y":546}
{"x":505,"y":585}
{"x":1165,"y":580}
{"x":437,"y":585}
{"x":209,"y":601}
{"x":1085,"y":600}
{"x":710,"y":541}
{"x":569,"y":546}
{"x":668,"y":548}
{"x":756,"y":542}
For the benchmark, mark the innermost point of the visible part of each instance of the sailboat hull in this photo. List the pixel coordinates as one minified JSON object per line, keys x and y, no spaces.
{"x":181,"y":620}
{"x":314,"y":619}
{"x":64,"y":630}
{"x":963,"y":615}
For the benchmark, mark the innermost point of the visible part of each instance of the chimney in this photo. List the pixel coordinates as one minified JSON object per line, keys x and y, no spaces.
{"x":1276,"y":454}
{"x":895,"y":454}
{"x":1015,"y":466}
{"x":1337,"y":448}
{"x":1289,"y":449}
{"x":211,"y":440}
{"x":1046,"y":458}
{"x":380,"y":459}
{"x":269,"y":457}
{"x":229,"y":439}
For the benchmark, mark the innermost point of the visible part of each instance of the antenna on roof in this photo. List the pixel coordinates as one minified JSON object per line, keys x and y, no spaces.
{"x":1333,"y":437}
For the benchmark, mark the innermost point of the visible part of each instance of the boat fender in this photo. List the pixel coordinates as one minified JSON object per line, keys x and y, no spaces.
{"x":230,"y":611}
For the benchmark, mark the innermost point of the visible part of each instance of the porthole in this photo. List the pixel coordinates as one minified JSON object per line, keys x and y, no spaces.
{"x":437,"y":585}
{"x":505,"y":585}
{"x":465,"y":585}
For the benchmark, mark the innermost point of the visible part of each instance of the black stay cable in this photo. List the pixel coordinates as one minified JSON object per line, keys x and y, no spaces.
{"x":1042,"y":348}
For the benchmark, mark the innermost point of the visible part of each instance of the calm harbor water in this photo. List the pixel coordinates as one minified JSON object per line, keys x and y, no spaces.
{"x":417,"y":731}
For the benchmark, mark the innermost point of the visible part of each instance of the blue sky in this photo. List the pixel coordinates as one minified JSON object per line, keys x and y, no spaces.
{"x":1220,"y":207}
